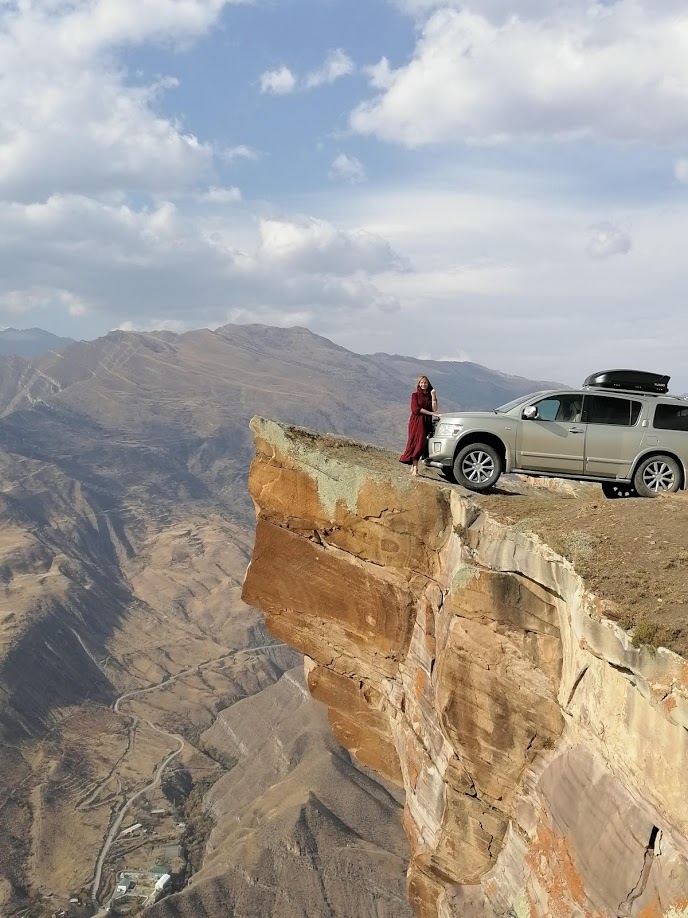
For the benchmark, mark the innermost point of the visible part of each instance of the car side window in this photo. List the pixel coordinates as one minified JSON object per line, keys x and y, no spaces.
{"x":620,"y":412}
{"x":566,"y":408}
{"x":671,"y":417}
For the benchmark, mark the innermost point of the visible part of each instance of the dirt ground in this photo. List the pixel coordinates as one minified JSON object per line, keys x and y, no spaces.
{"x":633,"y":552}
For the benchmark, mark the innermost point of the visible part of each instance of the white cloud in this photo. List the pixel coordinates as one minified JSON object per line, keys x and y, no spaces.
{"x":269,"y":316}
{"x":234,"y":154}
{"x":73,"y":253}
{"x":318,"y":247}
{"x":278,"y":82}
{"x":72,"y":119}
{"x":282,"y":81}
{"x":220,"y":195}
{"x":606,"y":239}
{"x":178,"y":326}
{"x":38,"y":299}
{"x":337,"y":64}
{"x":380,"y":75}
{"x":82,"y":28}
{"x":347,"y":169}
{"x":612,"y":71}
{"x":494,"y":10}
{"x":681,"y":170}
{"x":505,"y":277}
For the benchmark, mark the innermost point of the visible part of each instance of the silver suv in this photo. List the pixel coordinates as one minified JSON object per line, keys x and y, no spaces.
{"x":621,"y":428}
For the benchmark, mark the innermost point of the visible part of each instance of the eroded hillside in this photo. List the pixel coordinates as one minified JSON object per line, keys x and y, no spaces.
{"x":497,"y":657}
{"x":125,"y":530}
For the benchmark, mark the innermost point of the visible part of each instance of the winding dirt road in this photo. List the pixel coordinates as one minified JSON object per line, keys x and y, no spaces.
{"x":129,"y":696}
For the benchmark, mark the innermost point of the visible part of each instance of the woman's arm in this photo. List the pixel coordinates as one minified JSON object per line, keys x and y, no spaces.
{"x":416,"y":409}
{"x":433,"y":396}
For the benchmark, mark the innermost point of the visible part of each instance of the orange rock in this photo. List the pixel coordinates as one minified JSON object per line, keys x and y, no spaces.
{"x":447,"y":646}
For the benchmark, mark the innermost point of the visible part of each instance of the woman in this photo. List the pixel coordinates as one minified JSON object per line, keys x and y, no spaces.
{"x":423,"y":410}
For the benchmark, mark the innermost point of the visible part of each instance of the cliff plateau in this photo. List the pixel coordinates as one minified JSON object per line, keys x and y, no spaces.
{"x":541,"y":751}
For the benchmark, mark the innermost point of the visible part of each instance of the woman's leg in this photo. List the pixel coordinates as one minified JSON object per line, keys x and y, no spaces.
{"x":414,"y":466}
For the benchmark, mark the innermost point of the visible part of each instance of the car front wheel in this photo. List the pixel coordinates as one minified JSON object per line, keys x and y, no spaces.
{"x":656,"y":475}
{"x":477,"y":466}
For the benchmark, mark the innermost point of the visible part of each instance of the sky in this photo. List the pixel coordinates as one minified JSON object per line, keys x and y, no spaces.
{"x":492,"y":181}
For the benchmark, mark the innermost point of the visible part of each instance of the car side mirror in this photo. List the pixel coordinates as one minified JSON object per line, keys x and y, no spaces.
{"x":530,"y":413}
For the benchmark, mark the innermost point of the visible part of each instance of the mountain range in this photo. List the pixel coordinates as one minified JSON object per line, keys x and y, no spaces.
{"x":30,"y":342}
{"x":125,"y":529}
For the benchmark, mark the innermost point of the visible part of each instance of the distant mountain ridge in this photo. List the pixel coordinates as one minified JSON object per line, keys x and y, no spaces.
{"x":30,"y":342}
{"x":263,"y":362}
{"x":126,"y":526}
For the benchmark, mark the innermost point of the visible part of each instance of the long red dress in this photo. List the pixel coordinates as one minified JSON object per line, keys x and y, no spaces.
{"x":419,"y":428}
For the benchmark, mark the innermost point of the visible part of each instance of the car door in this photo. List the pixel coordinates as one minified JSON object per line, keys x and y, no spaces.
{"x":553,"y":441}
{"x":614,"y":435}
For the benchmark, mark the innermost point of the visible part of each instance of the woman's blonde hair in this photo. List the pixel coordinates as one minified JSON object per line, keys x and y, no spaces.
{"x":420,"y":380}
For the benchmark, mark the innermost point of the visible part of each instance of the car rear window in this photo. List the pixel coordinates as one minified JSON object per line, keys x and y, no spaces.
{"x":671,"y":417}
{"x":603,"y":409}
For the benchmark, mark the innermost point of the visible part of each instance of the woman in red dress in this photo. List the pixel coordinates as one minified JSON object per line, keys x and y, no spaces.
{"x":423,"y":410}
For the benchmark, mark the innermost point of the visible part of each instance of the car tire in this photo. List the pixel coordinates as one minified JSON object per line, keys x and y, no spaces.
{"x":477,"y":467}
{"x":656,"y":475}
{"x":617,"y":489}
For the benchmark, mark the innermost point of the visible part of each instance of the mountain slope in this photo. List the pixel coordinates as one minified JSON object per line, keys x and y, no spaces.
{"x":125,"y":528}
{"x":308,"y":822}
{"x":29,"y":342}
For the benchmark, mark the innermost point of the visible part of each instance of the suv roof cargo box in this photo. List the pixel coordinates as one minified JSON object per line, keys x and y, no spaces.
{"x":630,"y":380}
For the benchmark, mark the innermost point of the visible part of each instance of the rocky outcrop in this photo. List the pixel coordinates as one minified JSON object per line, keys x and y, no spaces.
{"x":542,"y":754}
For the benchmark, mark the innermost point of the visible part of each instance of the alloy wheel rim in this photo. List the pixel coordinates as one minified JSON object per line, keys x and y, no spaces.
{"x":478,"y":467}
{"x":658,"y":476}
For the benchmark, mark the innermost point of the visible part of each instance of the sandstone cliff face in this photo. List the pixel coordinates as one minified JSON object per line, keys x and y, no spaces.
{"x":543,"y":756}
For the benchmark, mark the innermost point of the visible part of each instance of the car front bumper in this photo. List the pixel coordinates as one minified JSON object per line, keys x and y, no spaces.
{"x":441,"y":451}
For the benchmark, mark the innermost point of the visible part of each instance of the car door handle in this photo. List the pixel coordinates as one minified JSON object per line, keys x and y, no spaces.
{"x":576,"y":430}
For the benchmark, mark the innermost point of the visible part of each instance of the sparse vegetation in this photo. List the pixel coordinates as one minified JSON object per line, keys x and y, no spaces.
{"x":461,"y":531}
{"x":226,"y":761}
{"x":646,"y":633}
{"x":527,"y":524}
{"x":199,"y":825}
{"x":578,"y":547}
{"x":176,"y":784}
{"x":679,"y":560}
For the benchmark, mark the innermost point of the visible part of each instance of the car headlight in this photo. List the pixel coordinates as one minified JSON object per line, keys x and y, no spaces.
{"x":447,"y":429}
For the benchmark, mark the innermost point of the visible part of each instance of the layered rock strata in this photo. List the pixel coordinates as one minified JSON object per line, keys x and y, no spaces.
{"x":543,"y":755}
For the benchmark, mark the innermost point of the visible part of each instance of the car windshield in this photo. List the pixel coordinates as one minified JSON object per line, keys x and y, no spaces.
{"x":516,"y":402}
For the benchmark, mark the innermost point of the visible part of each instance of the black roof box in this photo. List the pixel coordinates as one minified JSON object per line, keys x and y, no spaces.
{"x":630,"y":380}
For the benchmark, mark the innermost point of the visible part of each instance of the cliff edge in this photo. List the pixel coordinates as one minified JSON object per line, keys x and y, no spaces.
{"x":460,"y":655}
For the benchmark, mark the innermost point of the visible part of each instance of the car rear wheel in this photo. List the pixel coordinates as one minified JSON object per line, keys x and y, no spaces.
{"x":477,"y":466}
{"x":656,"y":475}
{"x":616,"y":489}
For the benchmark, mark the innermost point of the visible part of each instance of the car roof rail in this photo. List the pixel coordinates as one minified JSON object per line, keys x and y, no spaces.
{"x":636,"y":392}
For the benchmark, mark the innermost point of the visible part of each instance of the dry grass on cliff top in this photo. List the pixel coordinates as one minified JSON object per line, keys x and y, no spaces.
{"x":633,"y":552}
